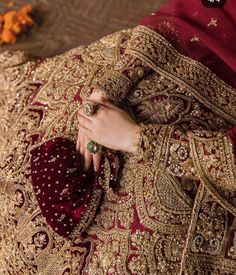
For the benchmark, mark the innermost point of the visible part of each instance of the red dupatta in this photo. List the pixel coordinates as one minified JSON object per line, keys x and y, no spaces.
{"x":207,"y":35}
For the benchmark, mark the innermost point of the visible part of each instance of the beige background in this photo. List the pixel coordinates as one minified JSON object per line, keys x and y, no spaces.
{"x":64,"y":24}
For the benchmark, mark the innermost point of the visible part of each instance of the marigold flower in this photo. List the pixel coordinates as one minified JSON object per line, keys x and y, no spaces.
{"x":14,"y":22}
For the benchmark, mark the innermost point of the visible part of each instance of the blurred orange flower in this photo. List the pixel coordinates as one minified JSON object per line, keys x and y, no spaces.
{"x":12,"y":23}
{"x":10,"y":4}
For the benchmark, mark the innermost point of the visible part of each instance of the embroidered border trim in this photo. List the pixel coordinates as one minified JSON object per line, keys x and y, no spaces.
{"x":222,"y":159}
{"x":203,"y":84}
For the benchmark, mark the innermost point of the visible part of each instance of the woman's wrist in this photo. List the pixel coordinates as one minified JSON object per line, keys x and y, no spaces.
{"x":134,"y":139}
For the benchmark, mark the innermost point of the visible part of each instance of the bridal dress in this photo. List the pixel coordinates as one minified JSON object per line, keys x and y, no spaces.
{"x":170,"y":208}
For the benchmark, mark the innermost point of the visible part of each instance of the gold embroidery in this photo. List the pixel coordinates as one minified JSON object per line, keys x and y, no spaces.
{"x":149,"y":147}
{"x":138,"y":265}
{"x":213,"y":22}
{"x":158,"y":100}
{"x":156,"y":52}
{"x":214,"y":160}
{"x":208,"y":219}
{"x":29,"y":246}
{"x":208,"y":236}
{"x":152,"y":195}
{"x":110,"y":253}
{"x":195,"y":39}
{"x":13,"y":58}
{"x":117,"y":83}
{"x":158,"y":147}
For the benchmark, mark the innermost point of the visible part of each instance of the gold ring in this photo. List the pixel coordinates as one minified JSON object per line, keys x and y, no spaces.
{"x":88,"y":109}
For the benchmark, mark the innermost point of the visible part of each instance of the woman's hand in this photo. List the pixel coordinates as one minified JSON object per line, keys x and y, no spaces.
{"x":110,"y":127}
{"x":82,"y":141}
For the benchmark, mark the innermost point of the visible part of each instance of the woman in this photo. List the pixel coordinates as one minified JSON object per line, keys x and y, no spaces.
{"x":159,"y":198}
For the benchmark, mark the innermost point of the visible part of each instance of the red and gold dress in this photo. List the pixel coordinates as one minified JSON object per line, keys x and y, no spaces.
{"x":168,"y":209}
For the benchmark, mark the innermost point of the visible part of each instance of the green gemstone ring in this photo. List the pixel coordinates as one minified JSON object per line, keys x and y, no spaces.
{"x":93,"y":147}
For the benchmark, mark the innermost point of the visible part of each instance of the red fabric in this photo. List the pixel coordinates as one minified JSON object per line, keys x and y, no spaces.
{"x":59,"y":184}
{"x":62,"y":189}
{"x":180,"y":20}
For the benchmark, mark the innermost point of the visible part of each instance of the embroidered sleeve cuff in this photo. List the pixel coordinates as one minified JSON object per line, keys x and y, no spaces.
{"x":125,"y":74}
{"x":166,"y":147}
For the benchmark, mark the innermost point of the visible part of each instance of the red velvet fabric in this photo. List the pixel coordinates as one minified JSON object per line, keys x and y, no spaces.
{"x":59,"y":182}
{"x":63,"y":190}
{"x":180,"y":21}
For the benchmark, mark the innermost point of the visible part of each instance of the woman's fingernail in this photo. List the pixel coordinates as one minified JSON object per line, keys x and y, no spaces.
{"x":95,"y":168}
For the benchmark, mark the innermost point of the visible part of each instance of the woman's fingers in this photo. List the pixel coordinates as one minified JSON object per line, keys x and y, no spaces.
{"x":78,"y":142}
{"x":86,"y":132}
{"x":85,"y":125}
{"x":96,"y":161}
{"x":87,"y":160}
{"x":97,"y":94}
{"x":108,"y":104}
{"x":85,"y":156}
{"x":81,"y":147}
{"x":84,"y":120}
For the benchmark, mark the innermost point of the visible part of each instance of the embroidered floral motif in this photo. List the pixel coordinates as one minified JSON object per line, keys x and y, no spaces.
{"x":208,"y":236}
{"x":138,"y":265}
